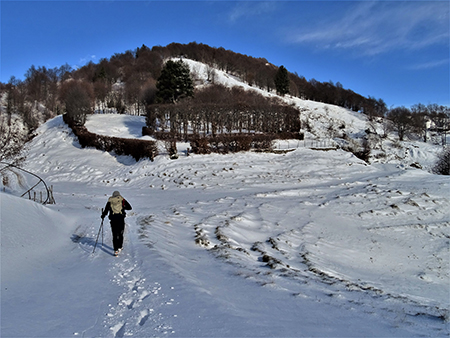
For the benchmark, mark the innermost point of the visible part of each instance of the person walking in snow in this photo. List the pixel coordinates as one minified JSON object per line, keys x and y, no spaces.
{"x":116,"y":207}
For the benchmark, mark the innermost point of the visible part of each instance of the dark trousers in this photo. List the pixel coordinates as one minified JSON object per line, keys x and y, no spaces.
{"x":117,"y":228}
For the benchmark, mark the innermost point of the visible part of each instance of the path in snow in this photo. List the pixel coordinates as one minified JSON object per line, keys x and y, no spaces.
{"x":138,"y":308}
{"x":239,"y":245}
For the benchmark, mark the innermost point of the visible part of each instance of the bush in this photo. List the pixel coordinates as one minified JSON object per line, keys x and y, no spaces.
{"x":361,"y":151}
{"x":121,"y":146}
{"x":146,"y":131}
{"x":225,"y":143}
{"x":263,"y":142}
{"x":364,"y":152}
{"x":231,"y":143}
{"x":442,"y":166}
{"x":200,"y":146}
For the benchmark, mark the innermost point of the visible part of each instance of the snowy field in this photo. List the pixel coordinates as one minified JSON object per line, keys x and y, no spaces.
{"x":303,"y":244}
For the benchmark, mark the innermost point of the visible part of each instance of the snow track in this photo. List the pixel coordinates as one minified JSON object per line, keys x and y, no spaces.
{"x":339,"y":234}
{"x":137,"y":311}
{"x":139,"y":305}
{"x":302,"y":244}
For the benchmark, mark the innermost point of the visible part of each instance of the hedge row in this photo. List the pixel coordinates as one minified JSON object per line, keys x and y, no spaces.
{"x":121,"y":146}
{"x":226,"y":143}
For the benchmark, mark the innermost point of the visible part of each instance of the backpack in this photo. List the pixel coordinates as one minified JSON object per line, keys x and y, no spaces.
{"x":116,"y":204}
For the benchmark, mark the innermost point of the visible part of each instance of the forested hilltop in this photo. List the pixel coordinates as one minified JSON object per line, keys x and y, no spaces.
{"x":140,"y":82}
{"x":139,"y":70}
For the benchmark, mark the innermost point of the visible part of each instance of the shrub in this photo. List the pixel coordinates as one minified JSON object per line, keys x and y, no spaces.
{"x":361,"y":151}
{"x":263,"y":142}
{"x":225,"y":143}
{"x":442,"y":166}
{"x":200,"y":146}
{"x":364,"y":152}
{"x":146,"y":131}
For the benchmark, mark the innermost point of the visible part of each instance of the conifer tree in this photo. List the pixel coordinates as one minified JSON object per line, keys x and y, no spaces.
{"x":175,"y":82}
{"x":282,"y":81}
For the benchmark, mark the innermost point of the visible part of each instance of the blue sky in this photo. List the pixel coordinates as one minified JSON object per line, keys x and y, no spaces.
{"x":394,"y":50}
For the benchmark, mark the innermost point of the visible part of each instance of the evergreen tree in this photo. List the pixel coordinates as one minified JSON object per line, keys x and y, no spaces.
{"x":282,"y":81}
{"x":175,"y":82}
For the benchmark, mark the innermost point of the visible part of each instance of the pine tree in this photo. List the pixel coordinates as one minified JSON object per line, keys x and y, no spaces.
{"x":175,"y":82}
{"x":282,"y":81}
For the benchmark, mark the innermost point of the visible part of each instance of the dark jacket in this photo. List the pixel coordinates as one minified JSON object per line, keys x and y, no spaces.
{"x":109,"y":209}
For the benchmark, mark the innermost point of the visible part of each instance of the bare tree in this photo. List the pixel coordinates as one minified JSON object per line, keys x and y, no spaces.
{"x":12,"y":138}
{"x":78,"y":98}
{"x":401,"y":119}
{"x":440,"y":115}
{"x":419,"y":119}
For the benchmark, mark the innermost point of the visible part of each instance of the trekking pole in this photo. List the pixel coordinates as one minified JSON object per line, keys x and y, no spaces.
{"x":101,"y":229}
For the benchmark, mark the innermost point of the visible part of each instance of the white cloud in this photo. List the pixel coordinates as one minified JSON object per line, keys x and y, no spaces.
{"x":376,"y":27}
{"x":86,"y":59}
{"x":247,"y":9}
{"x":430,"y":64}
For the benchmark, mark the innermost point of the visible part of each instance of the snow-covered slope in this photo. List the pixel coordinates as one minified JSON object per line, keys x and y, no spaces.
{"x":319,"y":116}
{"x":328,"y":123}
{"x":31,"y":235}
{"x":309,"y":243}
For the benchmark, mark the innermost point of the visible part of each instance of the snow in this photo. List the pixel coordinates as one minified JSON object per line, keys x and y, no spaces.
{"x":355,"y":249}
{"x":123,"y":126}
{"x":25,"y":241}
{"x":302,"y":244}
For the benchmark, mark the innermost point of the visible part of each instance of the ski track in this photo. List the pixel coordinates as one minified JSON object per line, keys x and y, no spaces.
{"x":277,"y":249}
{"x":290,"y":252}
{"x":138,"y":308}
{"x":265,"y":218}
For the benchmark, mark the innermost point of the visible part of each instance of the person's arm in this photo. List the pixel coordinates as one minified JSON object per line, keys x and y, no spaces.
{"x":126,"y":205}
{"x":107,"y":209}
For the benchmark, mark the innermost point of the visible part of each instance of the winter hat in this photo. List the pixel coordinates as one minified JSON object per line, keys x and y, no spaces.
{"x":116,"y":193}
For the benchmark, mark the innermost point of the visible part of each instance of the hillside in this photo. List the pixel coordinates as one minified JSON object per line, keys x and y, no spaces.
{"x":331,"y":125}
{"x":306,"y":243}
{"x":309,"y":243}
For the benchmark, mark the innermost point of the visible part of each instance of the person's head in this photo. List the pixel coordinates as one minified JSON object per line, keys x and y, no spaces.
{"x":116,"y":193}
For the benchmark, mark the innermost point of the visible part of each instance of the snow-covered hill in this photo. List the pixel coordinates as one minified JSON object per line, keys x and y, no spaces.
{"x":308,"y":243}
{"x":318,"y":115}
{"x":327,"y":124}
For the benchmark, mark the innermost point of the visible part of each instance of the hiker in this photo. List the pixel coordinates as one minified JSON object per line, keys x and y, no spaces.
{"x":116,"y":207}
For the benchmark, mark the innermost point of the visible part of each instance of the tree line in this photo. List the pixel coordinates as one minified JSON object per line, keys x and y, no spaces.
{"x":219,"y":110}
{"x":215,"y":118}
{"x":260,"y":73}
{"x":139,"y":70}
{"x":419,"y":120}
{"x":134,"y":82}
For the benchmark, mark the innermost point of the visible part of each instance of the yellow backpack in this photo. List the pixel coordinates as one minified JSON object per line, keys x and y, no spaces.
{"x":116,"y":204}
